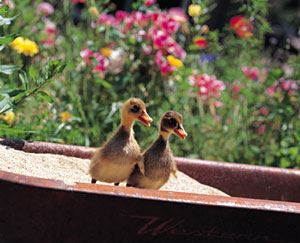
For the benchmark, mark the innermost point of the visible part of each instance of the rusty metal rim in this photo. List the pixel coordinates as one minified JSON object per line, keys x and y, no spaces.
{"x":230,"y":165}
{"x":86,"y":152}
{"x":176,"y":197}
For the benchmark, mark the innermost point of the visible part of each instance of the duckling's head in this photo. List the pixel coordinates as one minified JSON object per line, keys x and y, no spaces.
{"x":171,"y":122}
{"x":134,"y":109}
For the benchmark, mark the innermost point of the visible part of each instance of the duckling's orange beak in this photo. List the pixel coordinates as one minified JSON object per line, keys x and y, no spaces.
{"x":180,"y":132}
{"x":145,"y":118}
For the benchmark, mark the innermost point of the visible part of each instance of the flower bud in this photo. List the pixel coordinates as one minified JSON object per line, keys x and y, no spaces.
{"x":93,"y":11}
{"x":194,"y":10}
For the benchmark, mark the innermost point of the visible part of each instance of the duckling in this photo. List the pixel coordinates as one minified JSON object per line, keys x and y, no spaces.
{"x":158,"y":158}
{"x":115,"y":160}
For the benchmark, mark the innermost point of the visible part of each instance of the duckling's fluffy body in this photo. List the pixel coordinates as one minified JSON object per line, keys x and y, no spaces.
{"x":115,"y":160}
{"x":159,"y":162}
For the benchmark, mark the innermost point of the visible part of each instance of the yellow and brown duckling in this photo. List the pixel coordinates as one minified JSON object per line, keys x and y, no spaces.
{"x":116,"y":159}
{"x":158,"y":158}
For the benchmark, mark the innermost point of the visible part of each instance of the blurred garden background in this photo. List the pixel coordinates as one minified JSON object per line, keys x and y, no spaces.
{"x":231,"y":68}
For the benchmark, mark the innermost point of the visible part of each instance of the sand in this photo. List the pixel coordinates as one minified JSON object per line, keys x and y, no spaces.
{"x":73,"y":170}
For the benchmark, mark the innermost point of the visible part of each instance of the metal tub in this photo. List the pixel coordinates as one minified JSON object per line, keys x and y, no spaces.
{"x":264,"y":207}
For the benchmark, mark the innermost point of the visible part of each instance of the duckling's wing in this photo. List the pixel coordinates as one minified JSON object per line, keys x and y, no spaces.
{"x":141,"y":165}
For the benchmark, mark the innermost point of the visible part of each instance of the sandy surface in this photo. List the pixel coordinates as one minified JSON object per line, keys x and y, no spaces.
{"x":72,"y":170}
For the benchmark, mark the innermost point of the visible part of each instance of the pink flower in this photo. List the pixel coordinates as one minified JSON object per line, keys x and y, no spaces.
{"x":264,"y":111}
{"x":48,"y":42}
{"x":175,"y":49}
{"x":102,"y":62}
{"x":45,"y":8}
{"x":140,"y":18}
{"x":33,"y":29}
{"x":288,"y":85}
{"x":77,"y":1}
{"x":147,"y":50}
{"x":152,"y":15}
{"x":254,"y":73}
{"x":121,"y":15}
{"x":158,"y":37}
{"x":50,"y":27}
{"x":149,"y":2}
{"x":218,"y":104}
{"x":208,"y":86}
{"x":261,"y":129}
{"x":178,"y":15}
{"x":86,"y":54}
{"x":108,"y":20}
{"x":236,"y":88}
{"x":162,"y":40}
{"x":251,"y":73}
{"x":246,"y":70}
{"x":9,"y":3}
{"x":165,"y":67}
{"x":166,"y":23}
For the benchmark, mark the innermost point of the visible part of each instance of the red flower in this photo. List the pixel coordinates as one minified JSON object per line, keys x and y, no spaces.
{"x":149,"y":2}
{"x":241,"y":27}
{"x":201,"y":42}
{"x":77,"y":1}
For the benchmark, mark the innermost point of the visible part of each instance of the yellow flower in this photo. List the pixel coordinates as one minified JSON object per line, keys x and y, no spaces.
{"x":194,"y":10}
{"x":105,"y":52}
{"x":66,"y":116}
{"x":93,"y":11}
{"x":9,"y":117}
{"x":25,"y":46}
{"x":174,"y":61}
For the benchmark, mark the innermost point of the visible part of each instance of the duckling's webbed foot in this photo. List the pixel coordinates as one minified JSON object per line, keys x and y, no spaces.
{"x":117,"y":183}
{"x":93,"y":181}
{"x":128,"y":185}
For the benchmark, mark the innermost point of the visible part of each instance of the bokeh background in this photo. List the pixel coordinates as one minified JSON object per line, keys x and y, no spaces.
{"x":230,"y":67}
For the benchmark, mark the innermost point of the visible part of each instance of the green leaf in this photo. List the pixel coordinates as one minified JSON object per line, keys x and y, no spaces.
{"x":16,"y":92}
{"x":284,"y":163}
{"x":7,"y":38}
{"x":104,"y":83}
{"x":132,"y":40}
{"x":32,"y":72}
{"x":5,"y":91}
{"x":4,"y":9}
{"x":9,"y":69}
{"x":60,"y":68}
{"x":45,"y":96}
{"x":24,"y":79}
{"x":193,"y":47}
{"x":5,"y":104}
{"x":6,"y":129}
{"x":6,"y":21}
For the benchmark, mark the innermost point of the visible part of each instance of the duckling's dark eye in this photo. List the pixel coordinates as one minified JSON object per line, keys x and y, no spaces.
{"x":169,"y":123}
{"x":135,"y":109}
{"x":173,"y":122}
